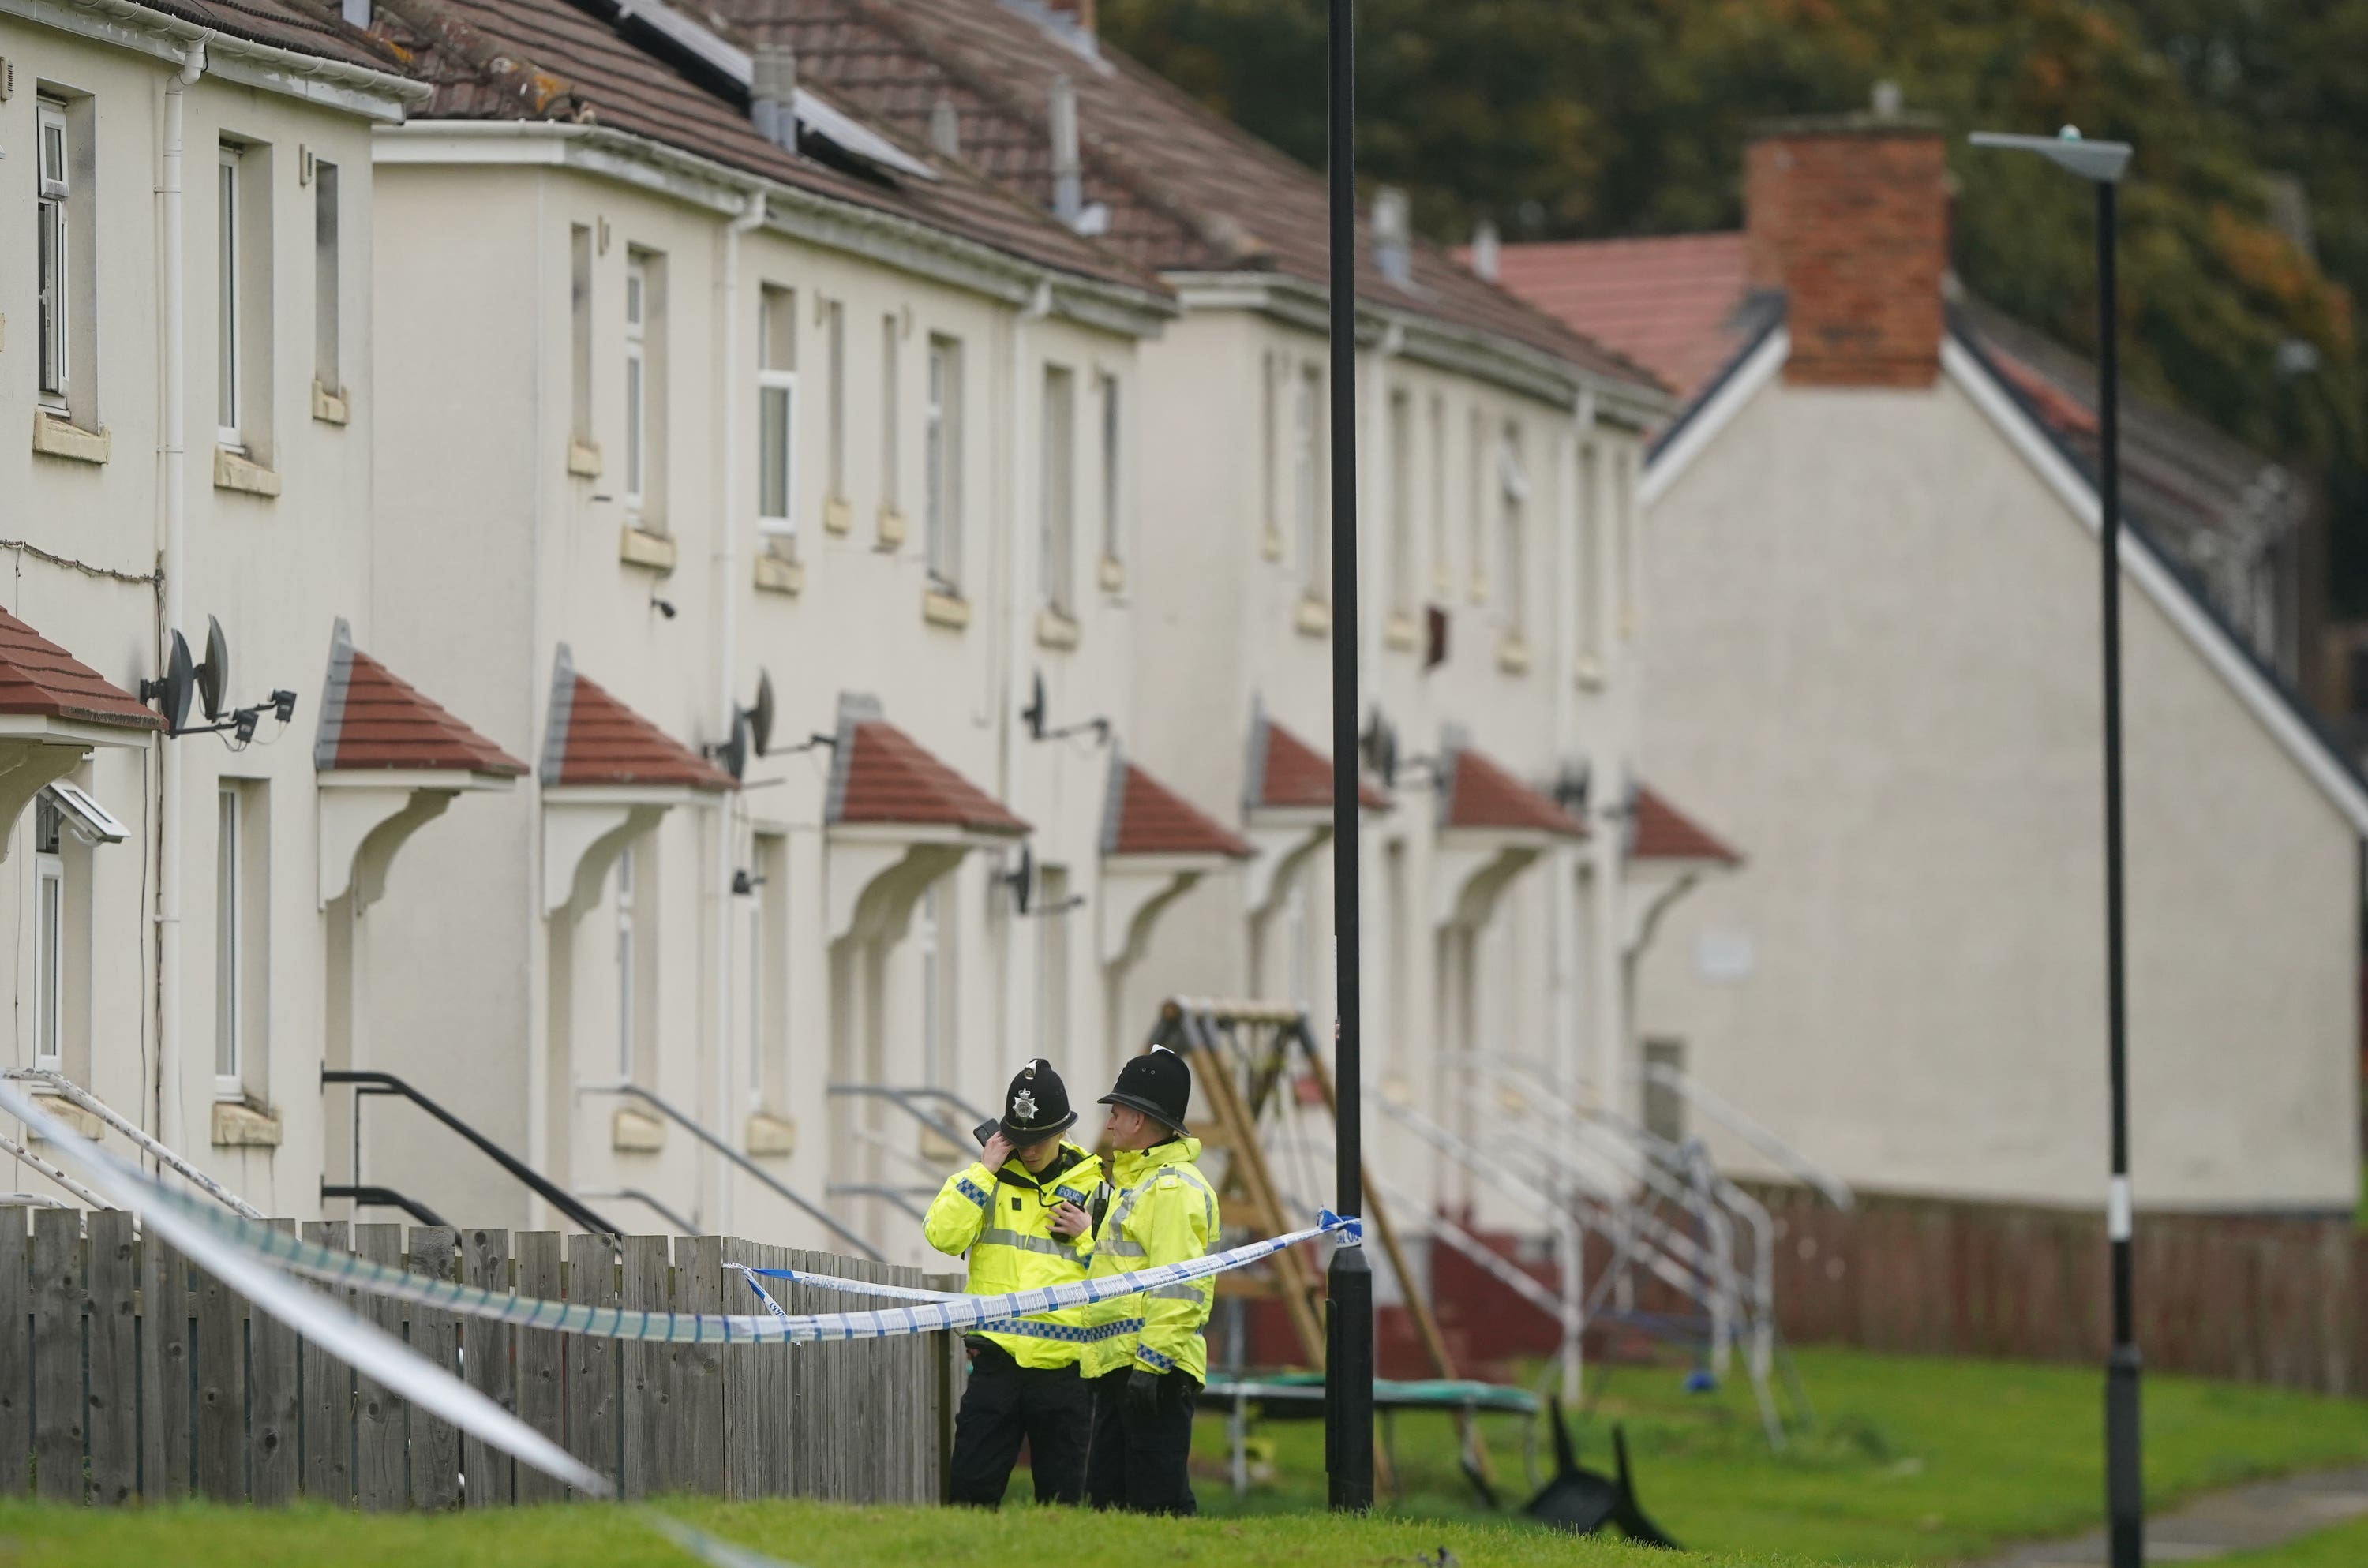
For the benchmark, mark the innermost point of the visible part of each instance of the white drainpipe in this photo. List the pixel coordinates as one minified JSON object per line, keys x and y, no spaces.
{"x":1021,"y":587}
{"x":172,"y":557}
{"x":727,"y":695}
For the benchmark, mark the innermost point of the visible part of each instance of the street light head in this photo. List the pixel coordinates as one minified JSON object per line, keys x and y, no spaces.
{"x":2100,"y":162}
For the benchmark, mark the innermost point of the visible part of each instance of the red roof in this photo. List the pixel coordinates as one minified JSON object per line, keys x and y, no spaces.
{"x":1289,"y":773}
{"x":36,"y":677}
{"x":1481,"y":794}
{"x":1664,"y":832}
{"x":1667,"y":302}
{"x":1148,"y":818}
{"x":881,"y":775}
{"x":373,"y":718}
{"x":595,"y":739}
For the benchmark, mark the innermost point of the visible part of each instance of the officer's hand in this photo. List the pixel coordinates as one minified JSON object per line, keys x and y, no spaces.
{"x":997,"y":1152}
{"x":1143,"y":1390}
{"x":1070,"y":1220}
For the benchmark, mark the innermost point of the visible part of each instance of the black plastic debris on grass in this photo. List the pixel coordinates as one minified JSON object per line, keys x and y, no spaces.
{"x":1583,"y":1501}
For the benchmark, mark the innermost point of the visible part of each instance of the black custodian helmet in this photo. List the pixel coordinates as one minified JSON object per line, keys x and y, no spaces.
{"x":1157,"y":1083}
{"x":1036,"y":1105}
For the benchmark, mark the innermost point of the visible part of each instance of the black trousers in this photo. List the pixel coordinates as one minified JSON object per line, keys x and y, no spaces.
{"x":1138,"y":1462}
{"x":1004,"y":1402}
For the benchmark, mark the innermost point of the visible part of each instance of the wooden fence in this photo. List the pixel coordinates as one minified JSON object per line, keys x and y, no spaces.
{"x":127,"y":1373}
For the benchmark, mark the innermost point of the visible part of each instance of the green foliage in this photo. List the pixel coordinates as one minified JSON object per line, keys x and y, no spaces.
{"x":1563,"y":119}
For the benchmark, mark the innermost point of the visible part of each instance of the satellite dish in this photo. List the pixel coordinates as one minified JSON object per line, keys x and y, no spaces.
{"x":171,"y":690}
{"x":734,"y":752}
{"x":1034,"y":713}
{"x":1379,"y":745}
{"x":214,"y":675}
{"x":761,"y":717}
{"x":1022,"y":878}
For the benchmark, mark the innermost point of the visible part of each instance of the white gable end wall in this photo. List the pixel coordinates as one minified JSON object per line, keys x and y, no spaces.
{"x":1874,"y":665}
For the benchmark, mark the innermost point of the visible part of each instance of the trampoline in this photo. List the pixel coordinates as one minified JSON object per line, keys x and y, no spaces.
{"x":1299,"y":1396}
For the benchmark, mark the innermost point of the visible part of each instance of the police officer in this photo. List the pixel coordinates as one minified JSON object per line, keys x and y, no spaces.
{"x":1146,"y":1377}
{"x":1024,"y":1213}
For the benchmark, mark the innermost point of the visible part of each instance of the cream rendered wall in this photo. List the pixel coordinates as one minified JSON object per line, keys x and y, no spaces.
{"x":1873,"y":666}
{"x":276,"y":571}
{"x":518,"y":556}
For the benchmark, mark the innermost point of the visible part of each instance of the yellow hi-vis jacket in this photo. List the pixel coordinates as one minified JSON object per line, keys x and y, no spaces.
{"x":1165,"y":1211}
{"x":1004,"y":1222}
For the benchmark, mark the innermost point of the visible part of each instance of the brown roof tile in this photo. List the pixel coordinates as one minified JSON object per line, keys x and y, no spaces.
{"x":39,"y":677}
{"x":1670,"y":302}
{"x":1147,"y":817}
{"x":1291,"y":775}
{"x":1481,"y":794}
{"x":373,"y":718}
{"x":289,"y":24}
{"x":1187,"y":189}
{"x":1664,"y":832}
{"x":882,"y":776}
{"x":595,"y":739}
{"x":552,"y":60}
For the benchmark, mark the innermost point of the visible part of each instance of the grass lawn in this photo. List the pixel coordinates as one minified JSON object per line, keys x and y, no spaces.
{"x":1912,"y":1459}
{"x":813,"y":1535}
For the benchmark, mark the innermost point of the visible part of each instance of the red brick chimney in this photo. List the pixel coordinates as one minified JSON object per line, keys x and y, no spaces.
{"x":1849,"y":217}
{"x":1078,"y":11}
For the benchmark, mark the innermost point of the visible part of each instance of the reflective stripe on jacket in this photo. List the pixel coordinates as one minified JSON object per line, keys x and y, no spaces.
{"x":1005,"y":1223}
{"x":1165,"y":1211}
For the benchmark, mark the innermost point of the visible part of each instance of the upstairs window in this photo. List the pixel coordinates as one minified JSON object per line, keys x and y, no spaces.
{"x":637,"y":384}
{"x":1307,"y":485}
{"x":244,"y":295}
{"x":1512,"y":547}
{"x":53,"y":245}
{"x":326,"y":287}
{"x":834,"y":328}
{"x":942,"y":445}
{"x":579,"y":336}
{"x":48,"y":936}
{"x":1113,"y":552}
{"x":1401,"y":461}
{"x":776,"y":414}
{"x":892,"y":413}
{"x":1057,"y":540}
{"x":229,"y":305}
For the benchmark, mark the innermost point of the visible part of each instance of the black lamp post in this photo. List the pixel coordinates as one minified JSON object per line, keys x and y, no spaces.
{"x":2102,"y":163}
{"x":1348,"y":1284}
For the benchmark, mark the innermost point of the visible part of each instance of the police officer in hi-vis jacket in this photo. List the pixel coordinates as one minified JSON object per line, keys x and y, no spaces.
{"x":1146,"y":1376}
{"x":1024,"y":1213}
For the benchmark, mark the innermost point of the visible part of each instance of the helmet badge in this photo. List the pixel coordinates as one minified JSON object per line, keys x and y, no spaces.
{"x":1023,"y":1107}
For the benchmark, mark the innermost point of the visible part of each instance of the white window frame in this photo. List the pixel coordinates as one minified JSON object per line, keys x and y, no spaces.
{"x":1512,"y":544}
{"x":1442,"y":572}
{"x":53,"y":264}
{"x":230,"y":956}
{"x":926,"y":949}
{"x":637,"y":385}
{"x":1401,"y":471}
{"x":49,"y":941}
{"x":942,"y":442}
{"x":1307,"y":488}
{"x":230,"y":314}
{"x":835,"y":338}
{"x":1056,"y":497}
{"x":1053,"y":965}
{"x":1114,"y":471}
{"x":579,"y":333}
{"x":778,"y":430}
{"x":1270,"y":372}
{"x":328,"y":284}
{"x":892,"y":409}
{"x":755,"y":1001}
{"x":628,"y":968}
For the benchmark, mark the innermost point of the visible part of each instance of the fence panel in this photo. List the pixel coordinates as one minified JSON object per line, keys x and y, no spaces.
{"x":594,"y":1366}
{"x":113,"y":1403}
{"x":167,"y":1373}
{"x":542,"y":1361}
{"x":16,"y":1354}
{"x":648,"y":1373}
{"x":328,"y":1403}
{"x":57,"y":1353}
{"x":485,"y":1350}
{"x":272,"y":1389}
{"x":435,"y":1335}
{"x":381,"y":1416}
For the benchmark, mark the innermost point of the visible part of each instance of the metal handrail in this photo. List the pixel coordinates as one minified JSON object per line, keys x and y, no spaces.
{"x":384,"y":1197}
{"x":748,"y":1167}
{"x":1832,"y":1188}
{"x":542,"y":1186}
{"x":904,"y":1100}
{"x":74,"y":1094}
{"x":9,"y":1145}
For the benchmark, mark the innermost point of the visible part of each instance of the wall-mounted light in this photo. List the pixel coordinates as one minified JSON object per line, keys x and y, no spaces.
{"x":1036,"y":715}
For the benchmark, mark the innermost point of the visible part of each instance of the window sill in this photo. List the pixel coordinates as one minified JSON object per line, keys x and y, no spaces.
{"x":1055,"y":630}
{"x":1627,"y":621}
{"x":770,"y":1137}
{"x":1401,"y":632}
{"x":239,"y":1126}
{"x":631,"y":1132}
{"x":1590,"y":673}
{"x":1270,"y":545}
{"x":945,"y":609}
{"x":1513,"y":654}
{"x":73,"y":1115}
{"x":837,"y":517}
{"x":582,"y":460}
{"x":330,"y":407}
{"x":779,"y":573}
{"x":641,"y":547}
{"x":1313,"y":618}
{"x":1112,"y":575}
{"x":61,"y":438}
{"x":242,"y":474}
{"x":1479,"y":588}
{"x":892,"y":528}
